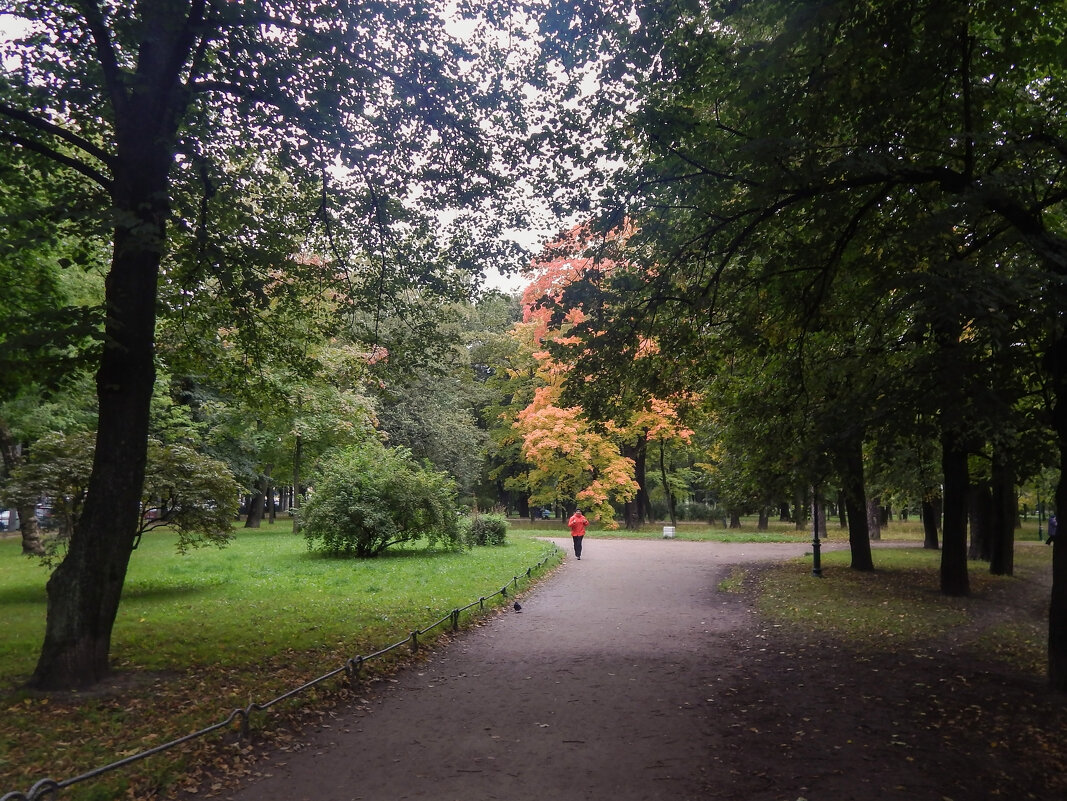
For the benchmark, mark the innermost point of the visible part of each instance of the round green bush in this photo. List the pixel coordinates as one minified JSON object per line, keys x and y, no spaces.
{"x":371,"y":497}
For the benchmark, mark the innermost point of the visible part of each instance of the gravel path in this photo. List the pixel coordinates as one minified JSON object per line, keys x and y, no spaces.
{"x":600,"y":688}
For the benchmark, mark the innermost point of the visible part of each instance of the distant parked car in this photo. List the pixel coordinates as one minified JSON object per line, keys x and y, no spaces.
{"x":6,"y":516}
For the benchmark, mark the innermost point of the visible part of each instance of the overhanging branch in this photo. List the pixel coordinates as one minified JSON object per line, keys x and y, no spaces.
{"x":60,"y":158}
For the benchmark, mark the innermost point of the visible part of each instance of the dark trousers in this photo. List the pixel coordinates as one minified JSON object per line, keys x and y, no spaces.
{"x":577,"y":546}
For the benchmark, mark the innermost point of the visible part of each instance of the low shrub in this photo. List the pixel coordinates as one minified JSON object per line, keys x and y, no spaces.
{"x":485,"y":530}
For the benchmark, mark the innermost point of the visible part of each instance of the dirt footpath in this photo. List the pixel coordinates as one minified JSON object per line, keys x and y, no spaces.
{"x":599,"y":688}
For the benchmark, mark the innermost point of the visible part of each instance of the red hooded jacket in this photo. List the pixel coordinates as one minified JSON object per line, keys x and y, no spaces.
{"x":578,"y":522}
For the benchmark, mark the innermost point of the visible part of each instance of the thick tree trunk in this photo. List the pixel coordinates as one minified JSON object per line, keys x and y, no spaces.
{"x":735,"y":520}
{"x":764,"y":522}
{"x":855,"y":499}
{"x":84,"y":591}
{"x":842,"y":510}
{"x":1002,"y":550}
{"x":636,"y":511}
{"x":980,"y":514}
{"x":931,"y":514}
{"x":256,"y":506}
{"x":954,"y":578}
{"x":32,"y":542}
{"x":874,"y":519}
{"x":1057,"y":612}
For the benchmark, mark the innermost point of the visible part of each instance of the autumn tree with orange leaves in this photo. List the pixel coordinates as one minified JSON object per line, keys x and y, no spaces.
{"x":576,"y":460}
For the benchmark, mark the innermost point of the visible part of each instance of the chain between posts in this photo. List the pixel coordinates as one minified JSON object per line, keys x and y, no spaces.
{"x":48,"y":789}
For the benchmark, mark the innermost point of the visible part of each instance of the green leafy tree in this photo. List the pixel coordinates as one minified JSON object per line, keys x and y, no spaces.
{"x":370,"y":498}
{"x":188,"y":492}
{"x":774,"y":139}
{"x":177,"y":115}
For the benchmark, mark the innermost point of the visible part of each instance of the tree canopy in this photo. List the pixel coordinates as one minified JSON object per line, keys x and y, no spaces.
{"x":216,"y":141}
{"x":839,"y":184}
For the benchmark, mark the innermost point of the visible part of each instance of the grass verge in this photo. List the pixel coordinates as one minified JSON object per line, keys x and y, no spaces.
{"x":899,"y":605}
{"x":202,"y":634}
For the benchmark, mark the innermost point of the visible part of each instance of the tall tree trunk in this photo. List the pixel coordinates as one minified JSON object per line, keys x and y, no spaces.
{"x":764,"y":522}
{"x":874,"y":519}
{"x":667,"y":493}
{"x":735,"y":520}
{"x":855,"y":498}
{"x":256,"y":506}
{"x":931,"y":515}
{"x":268,"y":493}
{"x":800,"y":506}
{"x":980,"y":514}
{"x":1057,"y":612}
{"x":84,"y":590}
{"x":954,"y":578}
{"x":842,"y":510}
{"x":1002,"y":551}
{"x":636,"y":511}
{"x":298,"y":458}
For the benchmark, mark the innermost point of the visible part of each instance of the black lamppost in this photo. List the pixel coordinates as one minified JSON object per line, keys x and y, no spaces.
{"x":816,"y":558}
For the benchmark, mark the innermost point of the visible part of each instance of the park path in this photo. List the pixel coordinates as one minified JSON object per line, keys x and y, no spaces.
{"x":599,"y":688}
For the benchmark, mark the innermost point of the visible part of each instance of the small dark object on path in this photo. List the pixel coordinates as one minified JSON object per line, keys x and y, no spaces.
{"x":518,"y":606}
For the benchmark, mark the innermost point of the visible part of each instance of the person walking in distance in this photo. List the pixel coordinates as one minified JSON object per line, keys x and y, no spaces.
{"x":577,"y":524}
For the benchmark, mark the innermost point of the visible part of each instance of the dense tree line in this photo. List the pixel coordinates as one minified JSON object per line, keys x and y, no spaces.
{"x":849,"y":236}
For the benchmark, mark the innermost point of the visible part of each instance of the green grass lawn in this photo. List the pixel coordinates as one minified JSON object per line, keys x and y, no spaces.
{"x":213,"y":630}
{"x":899,"y":604}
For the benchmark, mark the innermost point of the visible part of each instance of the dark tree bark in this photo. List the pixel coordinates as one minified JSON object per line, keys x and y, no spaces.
{"x":800,"y":520}
{"x":667,"y":493}
{"x":874,"y":519}
{"x":980,"y":514}
{"x":842,"y":510}
{"x":764,"y":519}
{"x":1002,"y":550}
{"x":954,"y":578}
{"x":257,"y":505}
{"x":855,"y":498}
{"x":636,"y":511}
{"x":931,"y":514}
{"x":1057,"y":613}
{"x":298,"y":459}
{"x":84,"y":591}
{"x":735,"y":520}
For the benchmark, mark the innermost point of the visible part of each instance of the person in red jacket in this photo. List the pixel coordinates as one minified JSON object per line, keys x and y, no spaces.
{"x":577,"y":523}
